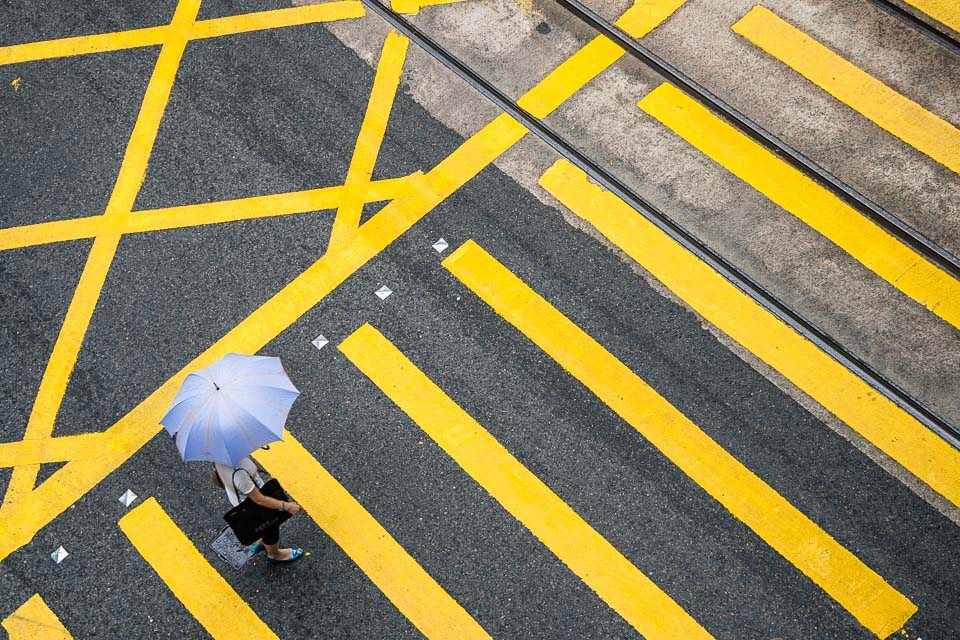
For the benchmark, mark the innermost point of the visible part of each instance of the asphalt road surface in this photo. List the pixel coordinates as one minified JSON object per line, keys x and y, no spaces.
{"x":585,"y":524}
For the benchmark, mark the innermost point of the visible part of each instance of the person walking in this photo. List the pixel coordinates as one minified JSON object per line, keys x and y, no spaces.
{"x":221,"y":414}
{"x":244,"y":481}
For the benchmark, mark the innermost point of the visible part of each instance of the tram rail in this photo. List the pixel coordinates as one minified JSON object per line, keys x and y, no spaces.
{"x":886,"y":220}
{"x":768,"y":300}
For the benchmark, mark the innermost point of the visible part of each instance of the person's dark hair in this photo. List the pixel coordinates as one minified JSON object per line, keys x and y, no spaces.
{"x":216,"y":478}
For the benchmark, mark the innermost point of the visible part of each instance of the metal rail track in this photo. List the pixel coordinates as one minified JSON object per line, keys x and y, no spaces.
{"x":677,"y":232}
{"x":889,"y":222}
{"x":931,"y":31}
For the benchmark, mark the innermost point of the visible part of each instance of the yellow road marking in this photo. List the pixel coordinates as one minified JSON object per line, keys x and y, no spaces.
{"x":405,"y":583}
{"x":578,"y":545}
{"x":873,"y":247}
{"x":414,"y":6}
{"x":372,"y":130}
{"x":946,"y":11}
{"x":20,"y":522}
{"x":852,"y":86}
{"x":835,"y":387}
{"x":133,"y":167}
{"x":149,"y":36}
{"x":859,"y":590}
{"x":34,"y":620}
{"x":44,"y":450}
{"x":280,"y":204}
{"x":196,"y":584}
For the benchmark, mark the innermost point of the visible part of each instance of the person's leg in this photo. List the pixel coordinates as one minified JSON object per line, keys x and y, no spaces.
{"x":271,"y":541}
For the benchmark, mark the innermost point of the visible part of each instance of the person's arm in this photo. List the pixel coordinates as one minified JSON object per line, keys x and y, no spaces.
{"x":272,"y":503}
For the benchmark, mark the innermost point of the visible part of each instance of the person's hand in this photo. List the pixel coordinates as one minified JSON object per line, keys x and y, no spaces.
{"x":291,"y":507}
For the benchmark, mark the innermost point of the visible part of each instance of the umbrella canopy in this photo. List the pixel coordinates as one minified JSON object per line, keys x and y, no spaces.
{"x":232,"y":407}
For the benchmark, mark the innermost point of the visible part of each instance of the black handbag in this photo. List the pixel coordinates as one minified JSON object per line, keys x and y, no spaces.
{"x":248,"y":519}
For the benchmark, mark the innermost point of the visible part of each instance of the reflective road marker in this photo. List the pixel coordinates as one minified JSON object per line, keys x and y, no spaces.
{"x":196,"y":584}
{"x":866,"y":242}
{"x":855,"y":88}
{"x":34,"y":620}
{"x":604,"y":569}
{"x":873,"y":602}
{"x":405,"y":583}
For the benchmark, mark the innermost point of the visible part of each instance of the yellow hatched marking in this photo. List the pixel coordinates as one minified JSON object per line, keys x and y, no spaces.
{"x":372,"y":130}
{"x":149,"y":36}
{"x":405,"y":583}
{"x":852,"y":86}
{"x":578,"y":545}
{"x":836,"y":388}
{"x":53,"y":384}
{"x":196,"y":584}
{"x":873,"y":247}
{"x":877,"y":605}
{"x":946,"y":11}
{"x":280,"y":204}
{"x":34,"y":620}
{"x":20,"y":522}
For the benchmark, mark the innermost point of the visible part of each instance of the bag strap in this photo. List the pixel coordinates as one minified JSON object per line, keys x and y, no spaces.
{"x":233,"y":480}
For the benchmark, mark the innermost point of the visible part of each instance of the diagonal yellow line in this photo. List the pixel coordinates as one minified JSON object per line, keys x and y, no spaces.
{"x":53,"y":384}
{"x":381,"y":558}
{"x":20,"y":522}
{"x":149,"y":36}
{"x":190,"y":215}
{"x":33,"y":620}
{"x":628,"y":591}
{"x":946,"y":11}
{"x":196,"y":584}
{"x":372,"y":130}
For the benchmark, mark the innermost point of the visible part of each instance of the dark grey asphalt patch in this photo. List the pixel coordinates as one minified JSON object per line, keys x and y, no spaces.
{"x":258,"y":113}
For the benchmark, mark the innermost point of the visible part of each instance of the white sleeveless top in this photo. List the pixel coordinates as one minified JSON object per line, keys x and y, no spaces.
{"x":246,"y":478}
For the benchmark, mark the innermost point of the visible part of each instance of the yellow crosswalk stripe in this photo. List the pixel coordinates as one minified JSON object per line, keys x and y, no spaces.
{"x":33,"y":620}
{"x":836,"y":388}
{"x":196,"y":584}
{"x":874,"y":603}
{"x":604,"y":569}
{"x":852,"y":86}
{"x":866,"y":242}
{"x":945,"y":11}
{"x":401,"y":579}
